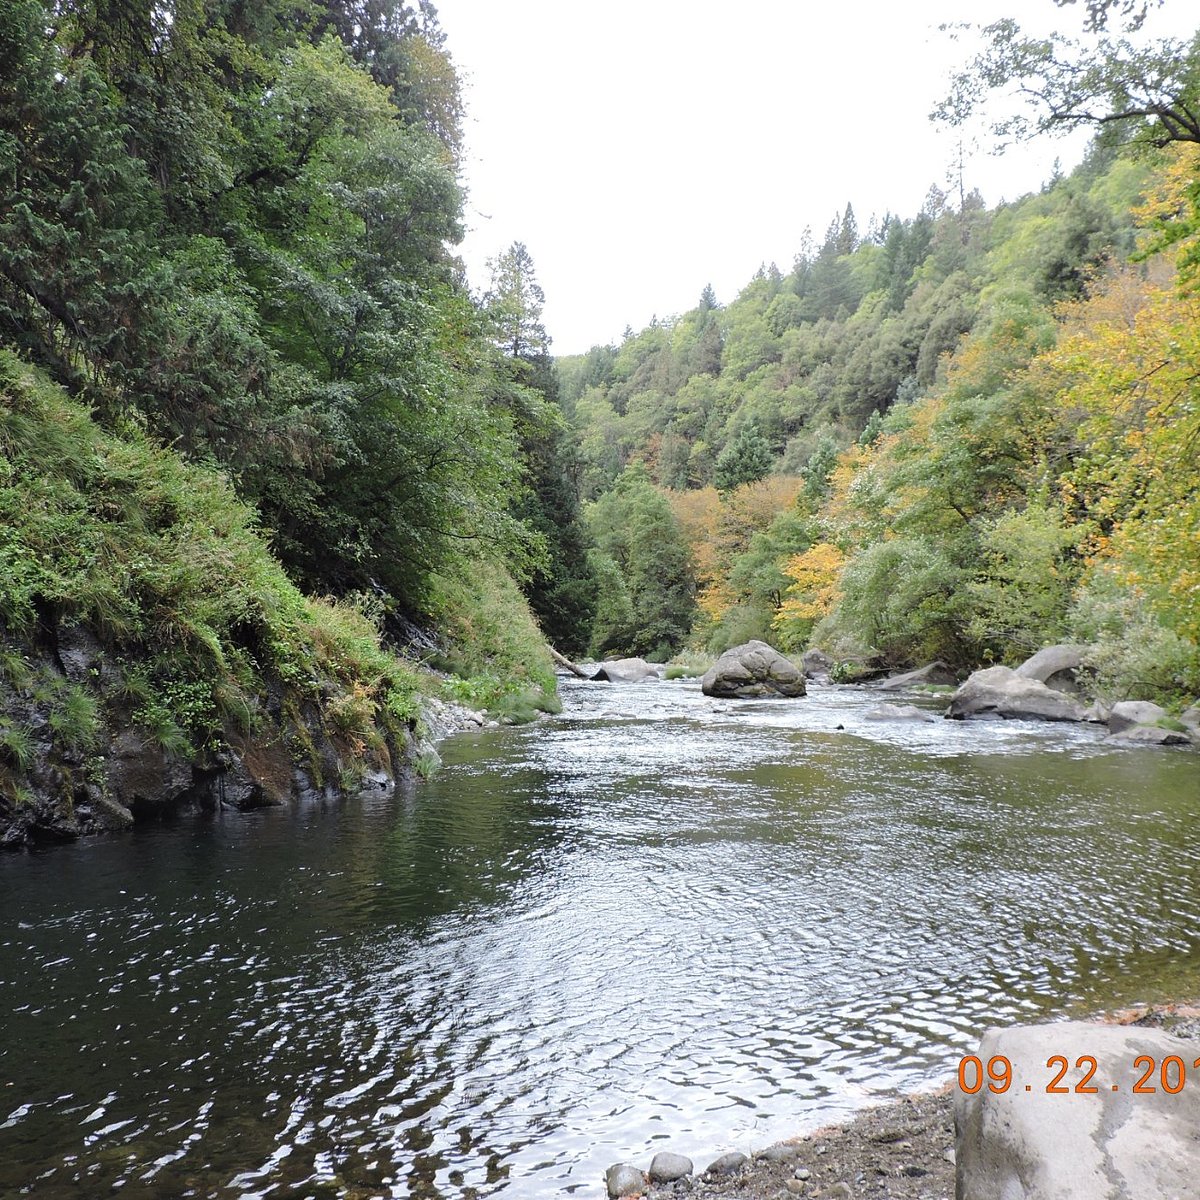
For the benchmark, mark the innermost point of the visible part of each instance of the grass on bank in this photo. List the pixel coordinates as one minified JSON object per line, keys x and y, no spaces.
{"x":200,"y":633}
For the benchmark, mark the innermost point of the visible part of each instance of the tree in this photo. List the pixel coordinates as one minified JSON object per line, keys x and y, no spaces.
{"x":647,"y":586}
{"x":1133,"y":11}
{"x":514,"y":304}
{"x":745,"y":459}
{"x":1152,"y":91}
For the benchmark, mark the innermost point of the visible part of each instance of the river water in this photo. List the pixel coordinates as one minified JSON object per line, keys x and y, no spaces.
{"x":658,"y":920}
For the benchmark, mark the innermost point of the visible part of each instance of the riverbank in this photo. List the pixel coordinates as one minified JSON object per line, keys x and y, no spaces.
{"x":900,"y":1150}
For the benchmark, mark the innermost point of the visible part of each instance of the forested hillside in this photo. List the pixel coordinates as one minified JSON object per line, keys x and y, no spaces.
{"x":269,"y":470}
{"x":228,"y":230}
{"x":962,"y":434}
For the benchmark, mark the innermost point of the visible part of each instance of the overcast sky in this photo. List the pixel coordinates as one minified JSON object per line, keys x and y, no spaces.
{"x":644,"y":148}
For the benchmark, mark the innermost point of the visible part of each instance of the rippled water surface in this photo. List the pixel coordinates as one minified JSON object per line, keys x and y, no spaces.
{"x":657,"y":919}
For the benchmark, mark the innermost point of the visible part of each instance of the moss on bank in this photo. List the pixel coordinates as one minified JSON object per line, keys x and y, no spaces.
{"x":140,"y":604}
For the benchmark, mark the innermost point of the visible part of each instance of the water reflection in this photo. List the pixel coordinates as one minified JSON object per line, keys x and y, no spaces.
{"x":656,"y":917}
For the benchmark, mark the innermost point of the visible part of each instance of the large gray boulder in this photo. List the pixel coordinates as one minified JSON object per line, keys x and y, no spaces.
{"x":936,"y":673}
{"x":1111,"y":1144}
{"x":751,"y":671}
{"x":1128,"y":713}
{"x":1055,"y":666}
{"x":1001,"y":692}
{"x":627,"y":670}
{"x":1142,"y":723}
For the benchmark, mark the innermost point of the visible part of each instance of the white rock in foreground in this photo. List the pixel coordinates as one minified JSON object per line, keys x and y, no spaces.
{"x":1107,"y":1145}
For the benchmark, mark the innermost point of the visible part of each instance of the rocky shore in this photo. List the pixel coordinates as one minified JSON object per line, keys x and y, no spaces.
{"x":900,"y":1150}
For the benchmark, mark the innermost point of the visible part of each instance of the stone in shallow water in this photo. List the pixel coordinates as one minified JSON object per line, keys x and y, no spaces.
{"x":898,"y":712}
{"x":1128,"y":713}
{"x":752,"y":671}
{"x":624,"y":1179}
{"x":937,"y":673}
{"x":1001,"y":692}
{"x":1150,"y":735}
{"x":668,"y":1167}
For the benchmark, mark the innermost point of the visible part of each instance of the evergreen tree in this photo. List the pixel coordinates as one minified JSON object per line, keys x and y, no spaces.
{"x":744,"y":460}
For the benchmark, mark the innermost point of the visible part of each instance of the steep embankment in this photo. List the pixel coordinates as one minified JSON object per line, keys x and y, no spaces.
{"x":152,"y":651}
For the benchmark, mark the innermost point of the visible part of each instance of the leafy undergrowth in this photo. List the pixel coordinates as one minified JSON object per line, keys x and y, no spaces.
{"x":191,"y":632}
{"x":495,"y":648}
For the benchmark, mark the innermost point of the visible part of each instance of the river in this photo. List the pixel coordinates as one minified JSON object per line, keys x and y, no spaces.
{"x":657,"y":920}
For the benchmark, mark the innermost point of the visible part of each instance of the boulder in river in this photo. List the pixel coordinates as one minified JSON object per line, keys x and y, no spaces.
{"x":627,"y":670}
{"x":898,"y":712}
{"x":1028,"y":1143}
{"x":935,"y":673}
{"x":1128,"y":713}
{"x":1055,"y":666}
{"x":1151,"y":735}
{"x":751,"y":671}
{"x":1001,"y":692}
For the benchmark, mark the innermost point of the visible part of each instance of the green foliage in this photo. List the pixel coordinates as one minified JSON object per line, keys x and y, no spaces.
{"x":646,"y":601}
{"x":16,"y":745}
{"x":1133,"y":656}
{"x":166,"y":567}
{"x":1021,"y":594}
{"x":745,"y":460}
{"x":492,"y":643}
{"x":903,"y":599}
{"x":1150,"y":89}
{"x":230,"y":229}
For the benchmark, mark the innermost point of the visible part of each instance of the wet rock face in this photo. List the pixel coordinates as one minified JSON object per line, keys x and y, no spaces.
{"x":898,"y":712}
{"x":1128,"y":713}
{"x":1040,"y":1145}
{"x":752,"y":671}
{"x":816,"y":664}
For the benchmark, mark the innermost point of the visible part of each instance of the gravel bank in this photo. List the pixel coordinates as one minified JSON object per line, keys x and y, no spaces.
{"x":902,"y":1150}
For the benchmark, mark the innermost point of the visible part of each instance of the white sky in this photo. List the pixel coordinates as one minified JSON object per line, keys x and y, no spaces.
{"x":644,"y":148}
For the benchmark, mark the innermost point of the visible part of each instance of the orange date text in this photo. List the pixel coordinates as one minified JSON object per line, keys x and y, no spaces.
{"x":996,"y":1074}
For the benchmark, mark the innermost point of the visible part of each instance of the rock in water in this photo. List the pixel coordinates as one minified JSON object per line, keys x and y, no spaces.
{"x":1128,"y":713}
{"x":937,"y":673}
{"x":751,"y":671}
{"x":667,"y":1167}
{"x":1040,"y":1145}
{"x":1055,"y":666}
{"x":815,"y":663}
{"x":624,"y":1179}
{"x":1001,"y":692}
{"x":1151,"y":735}
{"x":898,"y":712}
{"x":627,"y":670}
